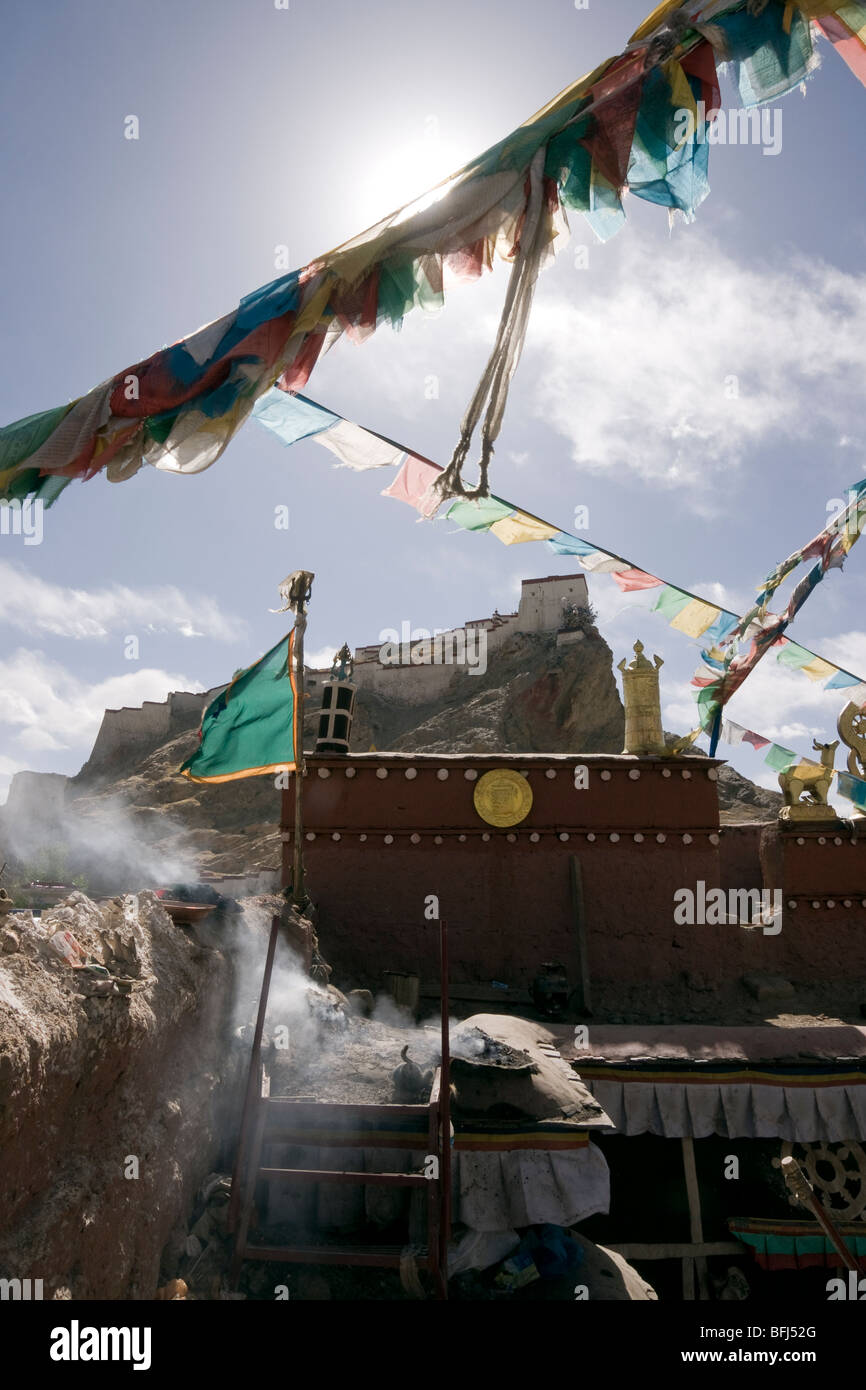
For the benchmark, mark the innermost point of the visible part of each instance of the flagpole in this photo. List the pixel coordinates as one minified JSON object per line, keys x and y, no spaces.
{"x":296,"y":589}
{"x":298,"y":893}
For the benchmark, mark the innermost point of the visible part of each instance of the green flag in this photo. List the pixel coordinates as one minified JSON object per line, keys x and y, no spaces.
{"x":250,"y":728}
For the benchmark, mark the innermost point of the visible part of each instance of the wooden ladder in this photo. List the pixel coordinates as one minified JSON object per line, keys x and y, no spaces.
{"x":268,"y":1120}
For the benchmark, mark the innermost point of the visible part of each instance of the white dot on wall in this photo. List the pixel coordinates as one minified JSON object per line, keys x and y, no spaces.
{"x":792,"y":903}
{"x":389,"y":839}
{"x":815,"y":903}
{"x":442,"y":774}
{"x":523,"y":772}
{"x":831,"y":902}
{"x":822,"y":839}
{"x":686,"y":775}
{"x":286,"y":837}
{"x":381,"y":772}
{"x":666,"y":772}
{"x":462,"y":839}
{"x":638,"y":839}
{"x":863,"y":902}
{"x":563,"y":835}
{"x":800,"y":840}
{"x":660,"y":838}
{"x":485,"y":836}
{"x":551,"y":773}
{"x":311,"y":834}
{"x":846,"y":902}
{"x":634,"y":774}
{"x":437,"y":839}
{"x":714,"y":839}
{"x":713,"y":774}
{"x":336,"y":835}
{"x":324,"y":772}
{"x":511,"y":839}
{"x":687,"y":839}
{"x":411,"y":772}
{"x":590,"y":836}
{"x":605,"y":775}
{"x":613,"y":837}
{"x":470,"y":774}
{"x":837,"y":839}
{"x":535,"y":837}
{"x":416,"y":839}
{"x":350,"y":772}
{"x":362,"y":838}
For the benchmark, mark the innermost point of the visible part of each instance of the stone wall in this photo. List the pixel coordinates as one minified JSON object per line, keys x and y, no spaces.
{"x":127,"y":733}
{"x":36,"y":796}
{"x":384,"y":831}
{"x":418,"y":676}
{"x":87,"y":1083}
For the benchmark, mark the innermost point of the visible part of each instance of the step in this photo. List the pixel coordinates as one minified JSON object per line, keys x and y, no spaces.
{"x":372,"y":1256}
{"x":330,"y":1175}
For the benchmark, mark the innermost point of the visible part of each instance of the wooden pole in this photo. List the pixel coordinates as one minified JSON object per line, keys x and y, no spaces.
{"x":298,"y":889}
{"x":581,"y":999}
{"x":697,"y":1263}
{"x":445,"y":1113}
{"x":253,"y":1081}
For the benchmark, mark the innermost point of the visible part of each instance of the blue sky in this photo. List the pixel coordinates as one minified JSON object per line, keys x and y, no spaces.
{"x":261,"y":128}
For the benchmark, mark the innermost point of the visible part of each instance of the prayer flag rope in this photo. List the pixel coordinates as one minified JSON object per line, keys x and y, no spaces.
{"x":293,"y":418}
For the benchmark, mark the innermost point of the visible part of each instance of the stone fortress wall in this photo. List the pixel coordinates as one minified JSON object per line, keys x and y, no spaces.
{"x":421,"y":676}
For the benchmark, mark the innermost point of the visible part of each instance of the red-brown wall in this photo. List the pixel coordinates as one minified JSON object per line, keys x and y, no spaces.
{"x":641,"y":830}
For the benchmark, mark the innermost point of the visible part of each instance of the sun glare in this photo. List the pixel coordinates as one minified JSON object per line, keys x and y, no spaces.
{"x":407,"y":173}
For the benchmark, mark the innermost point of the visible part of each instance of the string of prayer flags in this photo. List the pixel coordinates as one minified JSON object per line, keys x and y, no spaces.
{"x":295,"y":417}
{"x":764,"y":630}
{"x":686,"y":612}
{"x":620,"y":126}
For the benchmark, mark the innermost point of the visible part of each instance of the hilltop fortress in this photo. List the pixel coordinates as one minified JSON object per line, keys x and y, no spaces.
{"x":128,"y":735}
{"x":414,"y":668}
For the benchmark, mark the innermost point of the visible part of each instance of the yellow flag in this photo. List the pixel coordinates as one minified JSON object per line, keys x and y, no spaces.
{"x":521,"y":527}
{"x":696,"y":617}
{"x":818,"y":670}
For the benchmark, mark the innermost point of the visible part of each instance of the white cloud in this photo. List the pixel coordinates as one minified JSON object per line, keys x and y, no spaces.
{"x":39,"y":607}
{"x":322,"y":657}
{"x":677,"y":365}
{"x":45,"y":706}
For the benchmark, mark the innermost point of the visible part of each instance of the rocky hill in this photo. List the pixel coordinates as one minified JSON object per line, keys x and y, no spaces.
{"x":129,"y":821}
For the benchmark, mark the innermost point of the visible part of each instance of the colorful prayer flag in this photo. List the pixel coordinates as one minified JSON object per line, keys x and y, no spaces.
{"x":412,"y":485}
{"x":852,"y":788}
{"x":480,"y":515}
{"x":695,"y":618}
{"x":520,"y":527}
{"x":780,"y":758}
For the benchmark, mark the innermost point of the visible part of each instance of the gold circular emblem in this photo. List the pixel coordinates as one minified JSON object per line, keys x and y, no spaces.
{"x":503,"y":797}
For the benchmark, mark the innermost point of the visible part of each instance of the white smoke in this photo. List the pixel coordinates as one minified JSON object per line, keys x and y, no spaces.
{"x":113,"y":849}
